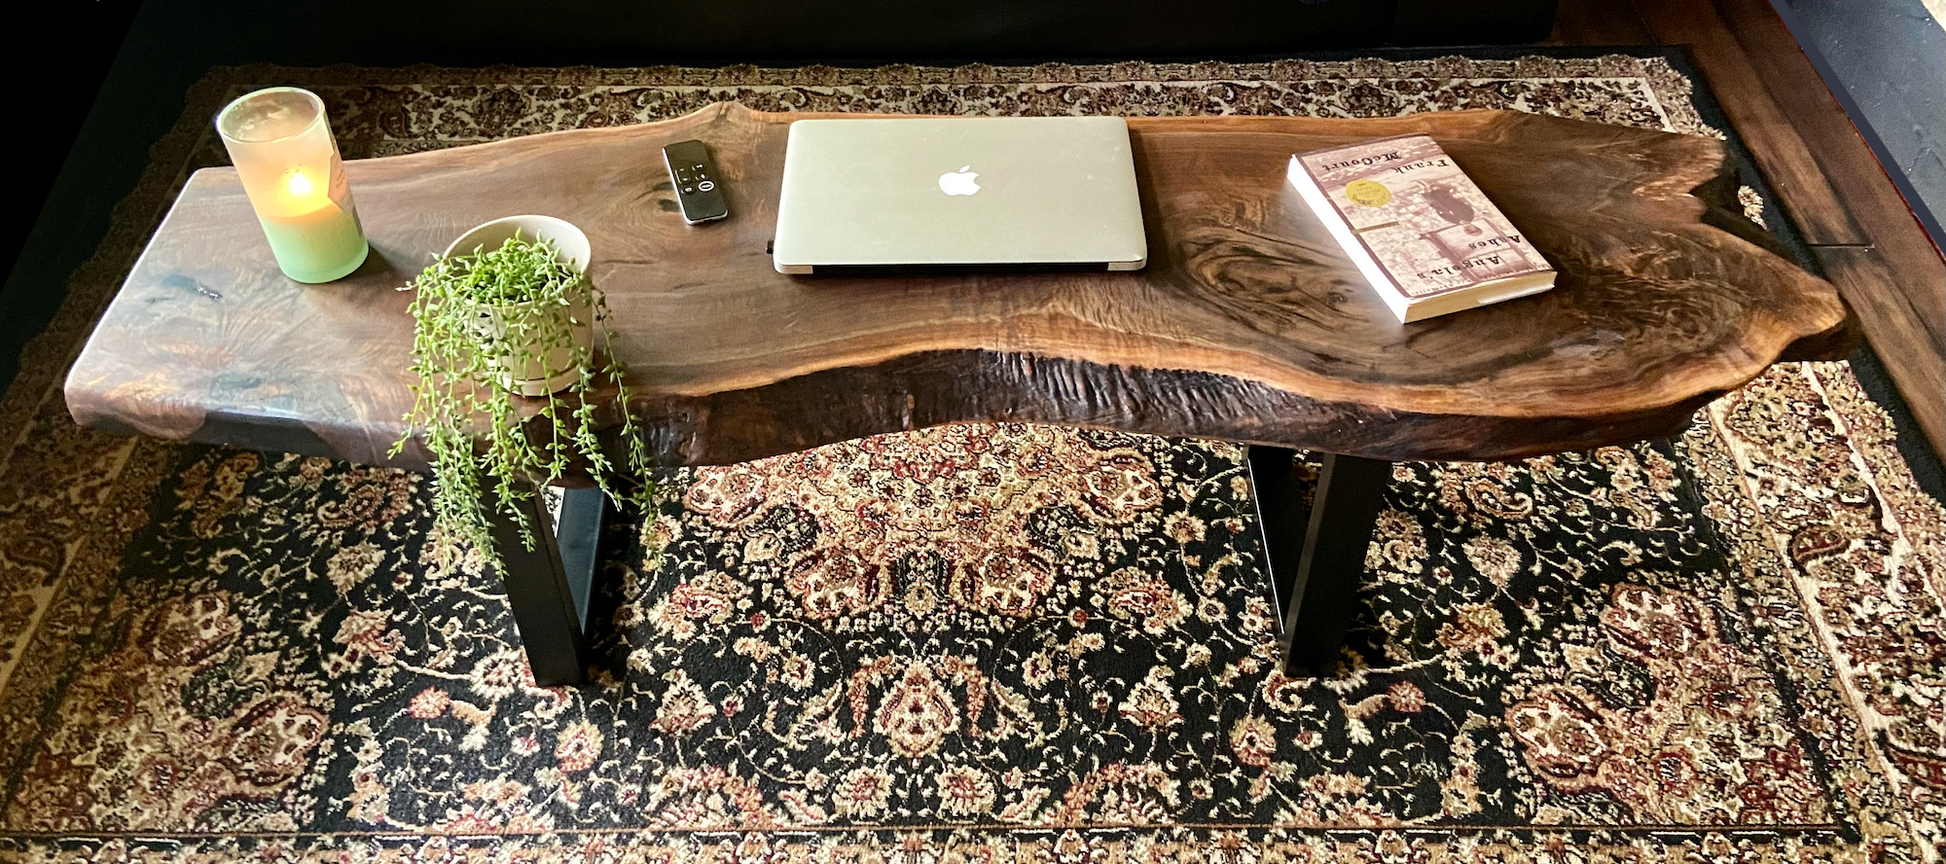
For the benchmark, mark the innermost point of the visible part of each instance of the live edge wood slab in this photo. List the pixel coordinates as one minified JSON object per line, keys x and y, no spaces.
{"x":1248,"y":324}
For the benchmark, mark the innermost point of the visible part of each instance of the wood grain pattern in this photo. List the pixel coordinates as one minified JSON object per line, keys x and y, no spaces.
{"x":1898,"y":284}
{"x":1248,"y":323}
{"x":1814,"y":206}
{"x":1830,"y":184}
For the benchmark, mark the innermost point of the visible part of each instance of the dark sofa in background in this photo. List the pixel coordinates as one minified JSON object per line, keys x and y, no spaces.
{"x":713,"y":32}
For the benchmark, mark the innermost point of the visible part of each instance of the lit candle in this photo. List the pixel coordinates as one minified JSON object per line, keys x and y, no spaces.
{"x":289,"y":164}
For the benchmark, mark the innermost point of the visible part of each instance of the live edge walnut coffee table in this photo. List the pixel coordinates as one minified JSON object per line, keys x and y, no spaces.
{"x":1247,"y":325}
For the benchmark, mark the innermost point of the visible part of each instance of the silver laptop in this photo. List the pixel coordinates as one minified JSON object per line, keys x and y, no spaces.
{"x":959,"y":191}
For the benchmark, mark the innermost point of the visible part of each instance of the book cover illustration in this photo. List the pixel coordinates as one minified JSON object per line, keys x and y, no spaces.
{"x":1431,"y":228}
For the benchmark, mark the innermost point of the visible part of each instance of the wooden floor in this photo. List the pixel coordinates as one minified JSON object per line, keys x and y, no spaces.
{"x":1825,"y":176}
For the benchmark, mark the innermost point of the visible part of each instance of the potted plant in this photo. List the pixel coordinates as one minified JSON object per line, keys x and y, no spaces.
{"x":503,"y":348}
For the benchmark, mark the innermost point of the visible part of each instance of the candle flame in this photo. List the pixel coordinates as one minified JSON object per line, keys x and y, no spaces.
{"x":298,"y":184}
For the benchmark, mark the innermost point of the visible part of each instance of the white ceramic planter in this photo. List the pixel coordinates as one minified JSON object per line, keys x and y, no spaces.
{"x":528,"y":375}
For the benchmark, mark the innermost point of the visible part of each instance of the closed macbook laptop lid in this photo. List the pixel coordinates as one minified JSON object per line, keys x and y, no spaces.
{"x":959,"y":191}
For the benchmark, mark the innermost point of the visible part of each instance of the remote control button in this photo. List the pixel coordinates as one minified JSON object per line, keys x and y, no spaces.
{"x":705,"y":186}
{"x":688,"y":191}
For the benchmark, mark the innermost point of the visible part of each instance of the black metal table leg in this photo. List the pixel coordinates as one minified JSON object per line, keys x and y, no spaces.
{"x":548,"y":586}
{"x":1315,"y":574}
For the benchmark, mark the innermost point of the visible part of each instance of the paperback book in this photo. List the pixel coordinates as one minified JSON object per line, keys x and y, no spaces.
{"x":1418,"y":228}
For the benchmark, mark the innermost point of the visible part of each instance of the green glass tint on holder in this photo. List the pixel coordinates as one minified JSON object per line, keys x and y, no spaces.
{"x":289,"y":164}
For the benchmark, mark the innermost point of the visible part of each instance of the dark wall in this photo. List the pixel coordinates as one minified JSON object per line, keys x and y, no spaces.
{"x":49,"y":95}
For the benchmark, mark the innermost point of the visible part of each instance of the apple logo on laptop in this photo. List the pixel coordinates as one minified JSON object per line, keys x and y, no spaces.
{"x":959,"y":182}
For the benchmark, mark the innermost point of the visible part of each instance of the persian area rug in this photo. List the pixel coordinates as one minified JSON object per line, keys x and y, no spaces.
{"x":973,"y":643}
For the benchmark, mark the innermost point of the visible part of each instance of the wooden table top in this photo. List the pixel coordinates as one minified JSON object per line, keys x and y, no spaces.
{"x":1248,"y":323}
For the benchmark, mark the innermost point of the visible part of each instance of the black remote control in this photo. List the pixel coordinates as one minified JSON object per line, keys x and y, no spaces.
{"x":698,"y":188}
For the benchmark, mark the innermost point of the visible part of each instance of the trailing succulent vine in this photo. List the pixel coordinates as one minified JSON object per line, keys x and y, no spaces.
{"x":473,"y":310}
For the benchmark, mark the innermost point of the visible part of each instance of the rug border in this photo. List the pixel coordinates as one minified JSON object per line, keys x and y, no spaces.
{"x":50,"y":353}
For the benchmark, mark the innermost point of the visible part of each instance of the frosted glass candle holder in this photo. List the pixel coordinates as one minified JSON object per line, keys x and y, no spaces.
{"x":283,"y":150}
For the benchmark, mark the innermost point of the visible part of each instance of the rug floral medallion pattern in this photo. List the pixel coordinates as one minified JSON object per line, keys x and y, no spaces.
{"x":978,"y":643}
